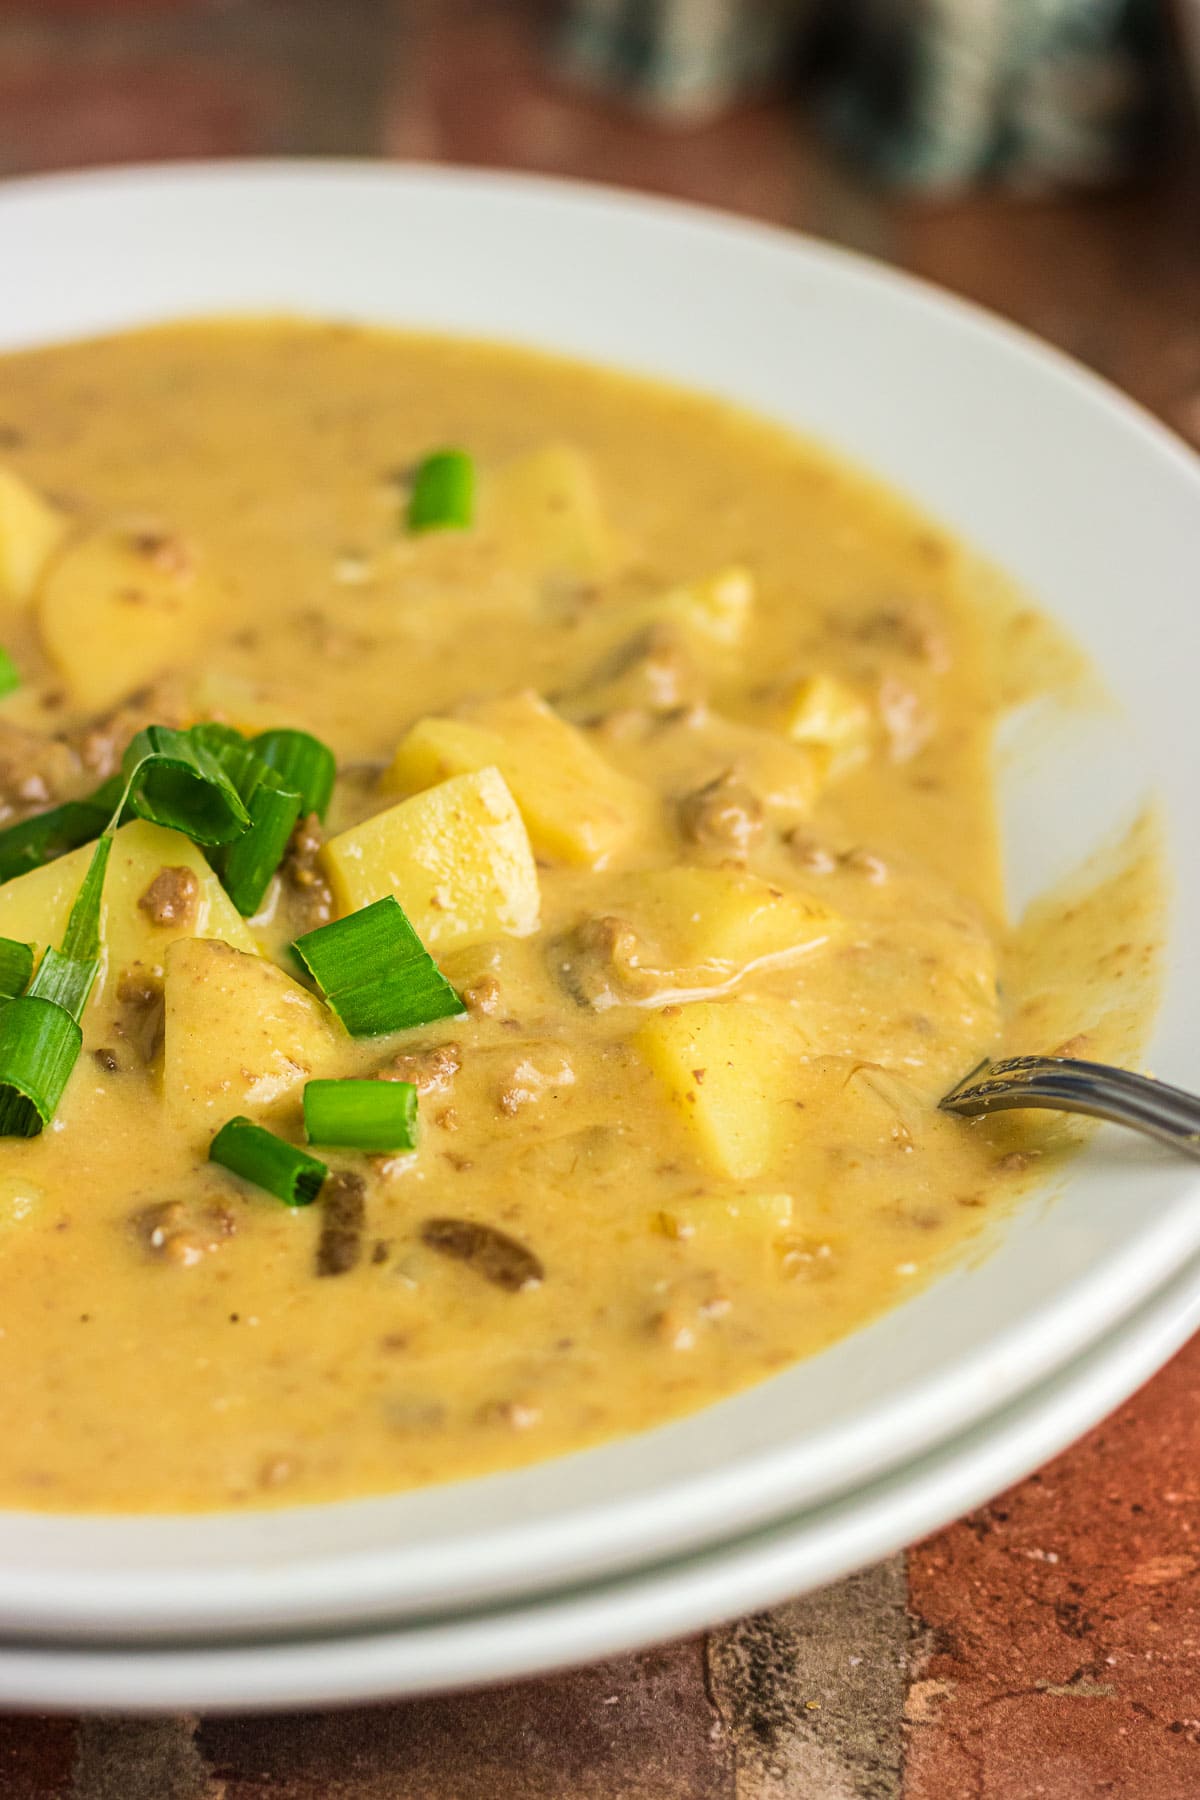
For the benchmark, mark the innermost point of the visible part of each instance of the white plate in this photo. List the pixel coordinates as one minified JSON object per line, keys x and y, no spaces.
{"x":604,"y":1620}
{"x":1082,"y":496}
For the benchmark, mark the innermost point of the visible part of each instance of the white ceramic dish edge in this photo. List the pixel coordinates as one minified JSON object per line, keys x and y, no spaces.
{"x":270,"y":1570}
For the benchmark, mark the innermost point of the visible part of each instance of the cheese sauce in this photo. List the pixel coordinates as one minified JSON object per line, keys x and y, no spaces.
{"x":727,"y":921}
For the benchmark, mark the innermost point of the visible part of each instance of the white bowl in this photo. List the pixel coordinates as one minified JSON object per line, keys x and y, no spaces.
{"x":607,"y":1618}
{"x":1090,"y":504}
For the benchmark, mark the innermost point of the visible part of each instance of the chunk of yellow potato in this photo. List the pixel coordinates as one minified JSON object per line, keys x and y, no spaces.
{"x":701,"y":918}
{"x":34,"y":908}
{"x":547,"y":513}
{"x":116,"y":607}
{"x":722,"y":1069}
{"x":577,"y":807}
{"x":830,"y":717}
{"x":716,"y":607}
{"x":232,"y":700}
{"x":239,"y":1035}
{"x":456,"y":857}
{"x":30,"y":531}
{"x":730,"y":1217}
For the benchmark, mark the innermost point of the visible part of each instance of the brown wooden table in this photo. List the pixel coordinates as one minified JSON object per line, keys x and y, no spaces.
{"x":1049,"y":1644}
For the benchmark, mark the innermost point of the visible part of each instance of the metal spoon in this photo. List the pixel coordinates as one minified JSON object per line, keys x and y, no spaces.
{"x":1060,"y":1082}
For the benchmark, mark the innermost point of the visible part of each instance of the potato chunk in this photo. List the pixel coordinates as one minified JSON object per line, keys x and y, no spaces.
{"x":548,"y":515}
{"x":34,"y":908}
{"x":751,"y":1218}
{"x":30,"y":530}
{"x":577,"y":807}
{"x":239,"y":1034}
{"x":721,"y":1066}
{"x":456,"y":857}
{"x":830,"y":717}
{"x":716,"y":919}
{"x":715,"y":608}
{"x":116,"y":607}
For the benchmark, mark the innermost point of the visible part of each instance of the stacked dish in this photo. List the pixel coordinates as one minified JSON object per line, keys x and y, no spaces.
{"x":942,"y":1400}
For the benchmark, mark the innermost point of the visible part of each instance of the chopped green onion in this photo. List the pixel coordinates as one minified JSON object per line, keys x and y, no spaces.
{"x":375,"y":972}
{"x":361,"y":1115}
{"x":40,"y":1032}
{"x":82,"y":936}
{"x":65,"y":980}
{"x":66,"y":976}
{"x":10,"y":679}
{"x":52,"y":834}
{"x":248,"y":864}
{"x":259,"y":1156}
{"x":443,"y":494}
{"x":16,"y":966}
{"x":302,"y":763}
{"x":39,"y":1047}
{"x":217,"y":736}
{"x":174,"y":778}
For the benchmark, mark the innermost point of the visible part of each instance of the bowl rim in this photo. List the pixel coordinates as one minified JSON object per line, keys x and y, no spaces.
{"x":252,"y":1590}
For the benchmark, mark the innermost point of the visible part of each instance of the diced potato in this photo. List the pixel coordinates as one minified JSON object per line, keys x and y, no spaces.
{"x":548,"y":515}
{"x":34,"y":908}
{"x":138,"y":853}
{"x":716,"y":607}
{"x":720,"y":1064}
{"x":116,"y":607}
{"x":456,"y":857}
{"x":239,"y":1035}
{"x":233,"y":700}
{"x":577,"y":807}
{"x":30,"y":530}
{"x":749,"y":1217}
{"x":714,"y":918}
{"x":829,"y":716}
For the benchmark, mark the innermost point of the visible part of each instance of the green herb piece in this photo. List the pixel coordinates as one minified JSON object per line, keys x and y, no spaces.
{"x":40,"y":1032}
{"x":259,"y":1156}
{"x":443,"y":494}
{"x":52,"y":834}
{"x":176,"y":779}
{"x":39,"y":1047}
{"x":16,"y":966}
{"x":361,"y":1115}
{"x":247,"y":865}
{"x":302,"y":762}
{"x":375,"y":972}
{"x":10,"y":679}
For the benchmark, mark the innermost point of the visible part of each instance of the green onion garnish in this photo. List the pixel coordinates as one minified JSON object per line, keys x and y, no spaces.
{"x":52,"y":834}
{"x":302,"y":762}
{"x":259,"y":1156}
{"x":40,"y":1032}
{"x":443,"y":494}
{"x":10,"y":679}
{"x":361,"y":1115}
{"x":375,"y":973}
{"x":247,"y":865}
{"x":39,"y":1046}
{"x":175,"y":779}
{"x":16,"y":966}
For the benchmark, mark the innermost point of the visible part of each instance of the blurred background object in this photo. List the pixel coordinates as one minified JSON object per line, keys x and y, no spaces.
{"x":1039,"y":155}
{"x":932,"y":93}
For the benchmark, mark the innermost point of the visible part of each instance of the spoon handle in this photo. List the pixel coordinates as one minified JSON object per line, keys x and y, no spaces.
{"x":1060,"y":1082}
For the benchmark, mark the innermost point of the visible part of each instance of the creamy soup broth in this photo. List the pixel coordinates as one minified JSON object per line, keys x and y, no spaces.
{"x":679,"y":759}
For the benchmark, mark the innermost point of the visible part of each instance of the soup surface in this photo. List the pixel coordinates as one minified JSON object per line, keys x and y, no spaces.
{"x":671,"y":736}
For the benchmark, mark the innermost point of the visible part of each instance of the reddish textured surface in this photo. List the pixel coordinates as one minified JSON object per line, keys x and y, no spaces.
{"x":1053,"y":1648}
{"x":1061,"y":1624}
